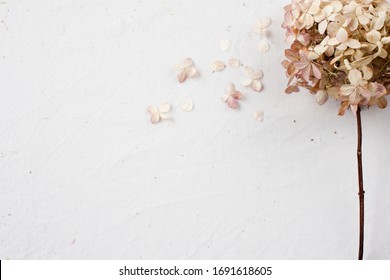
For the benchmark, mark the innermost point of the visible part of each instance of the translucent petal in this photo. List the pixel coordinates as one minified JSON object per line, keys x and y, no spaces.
{"x":155,"y":118}
{"x":187,"y":62}
{"x":182,"y":76}
{"x":256,"y":85}
{"x":230,"y":88}
{"x":259,"y":116}
{"x":355,"y":77}
{"x":225,"y":45}
{"x":263,"y":46}
{"x":152,"y":110}
{"x":258,"y":74}
{"x":234,"y":63}
{"x":218,"y":66}
{"x":164,"y":116}
{"x":187,"y":105}
{"x":248,"y":71}
{"x":247,"y":82}
{"x":164,"y":107}
{"x":232,"y":103}
{"x":191,"y":71}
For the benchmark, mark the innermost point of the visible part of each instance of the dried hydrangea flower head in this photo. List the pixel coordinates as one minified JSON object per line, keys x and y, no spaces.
{"x":339,"y":49}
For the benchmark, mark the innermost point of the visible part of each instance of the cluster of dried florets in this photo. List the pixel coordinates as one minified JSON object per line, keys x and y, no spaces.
{"x":339,"y":49}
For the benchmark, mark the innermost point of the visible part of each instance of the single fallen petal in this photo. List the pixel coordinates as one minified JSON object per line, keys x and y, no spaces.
{"x":187,"y":105}
{"x":263,"y":46}
{"x":259,"y":116}
{"x":218,"y":66}
{"x":225,"y":45}
{"x":234,"y":63}
{"x":164,"y":107}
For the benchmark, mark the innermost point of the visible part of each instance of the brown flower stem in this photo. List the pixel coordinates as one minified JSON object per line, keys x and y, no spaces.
{"x":361,"y":190}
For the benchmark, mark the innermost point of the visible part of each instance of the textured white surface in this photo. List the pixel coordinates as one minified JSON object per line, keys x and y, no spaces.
{"x":85,"y":175}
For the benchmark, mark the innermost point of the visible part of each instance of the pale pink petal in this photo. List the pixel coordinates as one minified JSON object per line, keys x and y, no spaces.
{"x":305,"y":72}
{"x":164,"y":116}
{"x":155,"y":118}
{"x":316,"y":72}
{"x":248,"y":71}
{"x":237,"y":95}
{"x":218,"y":66}
{"x":191,"y":71}
{"x":182,"y":76}
{"x":152,"y":110}
{"x":263,"y":46}
{"x":322,"y":26}
{"x":234,"y":63}
{"x":342,"y":35}
{"x":259,"y":116}
{"x":232,"y":103}
{"x":230,"y":88}
{"x":256,"y":85}
{"x":258,"y":74}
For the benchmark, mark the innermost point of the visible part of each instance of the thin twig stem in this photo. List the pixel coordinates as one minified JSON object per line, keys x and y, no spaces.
{"x":361,"y":189}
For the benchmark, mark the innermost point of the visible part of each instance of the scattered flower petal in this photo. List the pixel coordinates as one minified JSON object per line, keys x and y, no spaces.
{"x":259,"y":116}
{"x":225,"y":45}
{"x":187,"y":105}
{"x":263,"y":46}
{"x":253,"y":78}
{"x":260,"y":26}
{"x":234,"y":63}
{"x":218,"y":66}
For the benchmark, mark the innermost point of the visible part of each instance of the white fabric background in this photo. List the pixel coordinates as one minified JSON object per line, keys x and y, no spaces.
{"x":85,"y":175}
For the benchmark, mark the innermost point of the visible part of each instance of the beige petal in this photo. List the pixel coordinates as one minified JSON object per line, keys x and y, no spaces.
{"x":187,"y":105}
{"x":152,"y":110}
{"x":321,"y":97}
{"x":322,"y":26}
{"x":225,"y":45}
{"x":385,"y":40}
{"x":382,"y":102}
{"x":218,"y":66}
{"x":367,"y":72}
{"x":225,"y":97}
{"x":373,"y":36}
{"x":353,"y":44}
{"x":164,"y":107}
{"x":234,"y":63}
{"x":263,"y":46}
{"x":259,"y":116}
{"x":155,"y":118}
{"x":355,"y":77}
{"x":342,"y":35}
{"x":256,"y":85}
